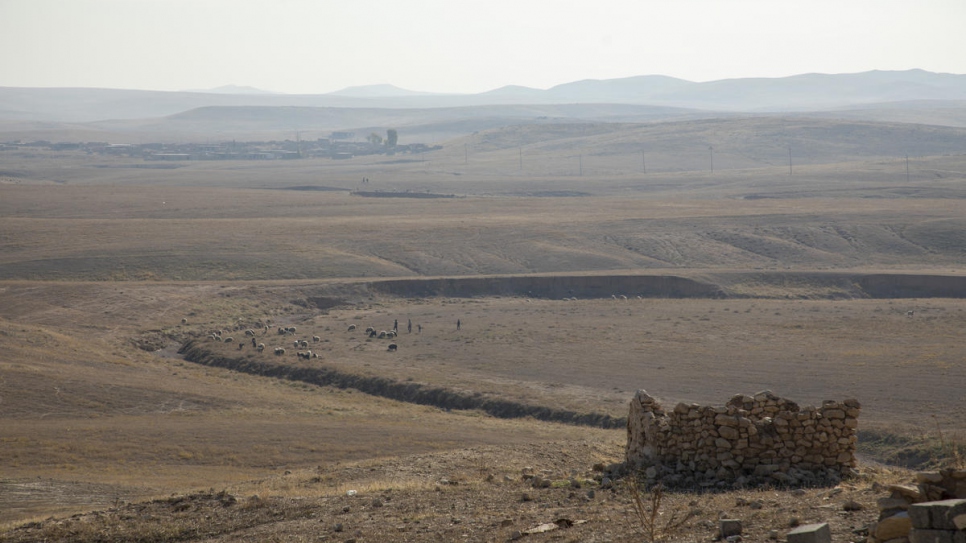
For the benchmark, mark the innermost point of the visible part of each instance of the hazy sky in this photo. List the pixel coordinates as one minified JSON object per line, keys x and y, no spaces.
{"x":318,"y":46}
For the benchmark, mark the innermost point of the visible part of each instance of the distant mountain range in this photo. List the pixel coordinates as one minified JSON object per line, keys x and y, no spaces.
{"x":800,"y":93}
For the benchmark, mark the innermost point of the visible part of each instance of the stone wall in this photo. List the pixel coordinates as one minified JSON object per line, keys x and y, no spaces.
{"x":750,"y":440}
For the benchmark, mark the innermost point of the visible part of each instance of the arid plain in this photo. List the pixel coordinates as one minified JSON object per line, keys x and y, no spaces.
{"x":102,"y":257}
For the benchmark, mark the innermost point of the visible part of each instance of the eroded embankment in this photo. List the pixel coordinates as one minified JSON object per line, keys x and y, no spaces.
{"x":195,"y":351}
{"x":554,"y":286}
{"x":814,"y":284}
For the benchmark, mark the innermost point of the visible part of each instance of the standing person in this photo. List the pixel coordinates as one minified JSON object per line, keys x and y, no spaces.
{"x":457,"y":324}
{"x":419,"y":328}
{"x":395,"y":325}
{"x":409,"y":326}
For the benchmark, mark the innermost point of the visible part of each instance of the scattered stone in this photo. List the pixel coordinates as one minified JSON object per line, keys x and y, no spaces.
{"x":338,"y":527}
{"x":912,"y":493}
{"x":541,"y":528}
{"x":811,"y":533}
{"x":852,"y":505}
{"x":893,"y":527}
{"x":728,"y":528}
{"x":932,"y":477}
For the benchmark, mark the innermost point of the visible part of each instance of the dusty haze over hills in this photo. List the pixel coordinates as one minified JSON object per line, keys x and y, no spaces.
{"x":309,"y":47}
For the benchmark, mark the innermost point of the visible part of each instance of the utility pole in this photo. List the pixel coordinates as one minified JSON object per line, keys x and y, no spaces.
{"x":711,"y":153}
{"x":789,"y":160}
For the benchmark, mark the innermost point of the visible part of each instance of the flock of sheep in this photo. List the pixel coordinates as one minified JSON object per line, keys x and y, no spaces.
{"x":301,"y":345}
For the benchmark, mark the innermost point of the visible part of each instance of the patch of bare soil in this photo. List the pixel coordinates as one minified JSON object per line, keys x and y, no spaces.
{"x":539,"y":492}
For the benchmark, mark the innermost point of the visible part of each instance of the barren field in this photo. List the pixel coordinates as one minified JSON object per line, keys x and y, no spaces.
{"x":572,"y":290}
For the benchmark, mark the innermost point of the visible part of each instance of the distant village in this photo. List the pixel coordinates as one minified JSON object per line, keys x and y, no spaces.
{"x":338,"y":146}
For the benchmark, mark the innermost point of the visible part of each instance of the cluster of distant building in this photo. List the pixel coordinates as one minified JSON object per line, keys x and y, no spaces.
{"x":339,"y":145}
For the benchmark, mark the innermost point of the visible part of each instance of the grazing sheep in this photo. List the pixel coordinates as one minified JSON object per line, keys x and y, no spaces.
{"x":392,"y":347}
{"x":370,"y":330}
{"x":391,"y":334}
{"x":250,"y":333}
{"x":372,"y":333}
{"x":910,"y":313}
{"x":279,"y":351}
{"x":229,"y":339}
{"x":241,"y":345}
{"x":295,"y":344}
{"x":623,"y":298}
{"x":316,"y":339}
{"x":282,"y":331}
{"x":184,"y":321}
{"x":213,"y":337}
{"x":352,"y":327}
{"x":291,"y":329}
{"x":261,"y":347}
{"x":304,"y":344}
{"x":382,"y":334}
{"x":315,"y":355}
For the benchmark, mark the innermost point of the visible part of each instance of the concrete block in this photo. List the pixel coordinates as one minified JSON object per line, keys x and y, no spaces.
{"x":940,"y":515}
{"x":811,"y":533}
{"x":931,"y":536}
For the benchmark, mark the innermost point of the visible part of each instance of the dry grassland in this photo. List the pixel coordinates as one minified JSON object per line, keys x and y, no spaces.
{"x":100,"y":259}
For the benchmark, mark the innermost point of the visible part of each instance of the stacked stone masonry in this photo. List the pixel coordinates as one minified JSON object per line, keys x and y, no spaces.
{"x":933,"y":510}
{"x":750,"y":440}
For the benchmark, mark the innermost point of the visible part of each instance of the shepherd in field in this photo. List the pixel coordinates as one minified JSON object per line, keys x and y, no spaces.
{"x":458,"y":324}
{"x":409,"y":326}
